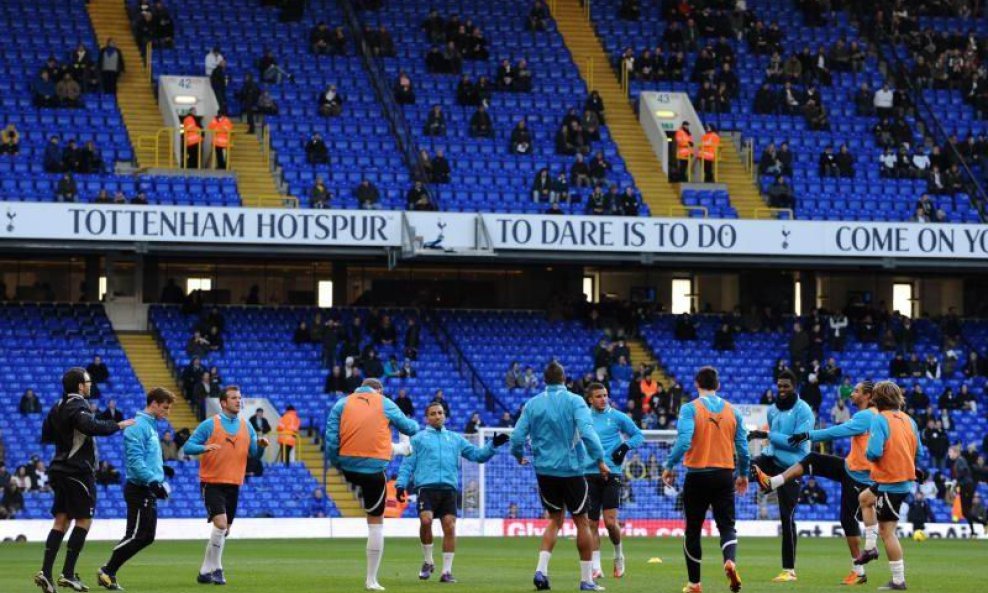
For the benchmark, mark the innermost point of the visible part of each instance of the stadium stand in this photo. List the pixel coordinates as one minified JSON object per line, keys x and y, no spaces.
{"x":865,"y":197}
{"x":485,"y":176}
{"x":359,"y":140}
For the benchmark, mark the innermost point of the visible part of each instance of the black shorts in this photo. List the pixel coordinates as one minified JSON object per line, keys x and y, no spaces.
{"x":564,"y":494}
{"x":220,"y":499}
{"x":604,"y":495}
{"x":888,"y":504}
{"x":371,"y":489}
{"x":75,"y":496}
{"x":438,"y":501}
{"x":835,"y":468}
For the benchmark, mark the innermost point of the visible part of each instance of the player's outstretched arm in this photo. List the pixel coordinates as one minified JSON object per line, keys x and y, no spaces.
{"x":404,"y":424}
{"x":85,"y":422}
{"x":474,"y":453}
{"x":520,"y":436}
{"x":196,"y":445}
{"x":684,"y":436}
{"x":858,"y":424}
{"x":406,"y":472}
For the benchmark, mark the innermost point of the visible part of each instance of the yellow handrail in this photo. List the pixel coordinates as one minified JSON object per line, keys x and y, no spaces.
{"x":590,"y":73}
{"x":286,"y":201}
{"x":147,"y":60}
{"x":769,"y":210}
{"x":704,"y":209}
{"x":586,"y":9}
{"x":298,"y":444}
{"x":153,"y":141}
{"x":552,"y":7}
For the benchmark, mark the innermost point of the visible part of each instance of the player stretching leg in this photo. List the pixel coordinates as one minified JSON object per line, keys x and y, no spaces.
{"x":145,"y":474}
{"x":853,"y":473}
{"x":71,"y":426}
{"x":224,"y":442}
{"x":358,"y":442}
{"x":788,"y":416}
{"x":613,"y":428}
{"x":434,"y":469}
{"x":892,"y":449}
{"x":710,"y":435}
{"x":562,"y":435}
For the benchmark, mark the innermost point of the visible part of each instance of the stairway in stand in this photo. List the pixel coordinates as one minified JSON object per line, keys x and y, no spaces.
{"x":335,"y":486}
{"x":744,"y":193}
{"x":135,"y":96}
{"x":640,"y":353}
{"x":148,"y":362}
{"x":660,"y":195}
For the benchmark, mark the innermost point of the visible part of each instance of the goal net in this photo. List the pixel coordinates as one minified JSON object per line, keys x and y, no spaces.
{"x":502,"y":489}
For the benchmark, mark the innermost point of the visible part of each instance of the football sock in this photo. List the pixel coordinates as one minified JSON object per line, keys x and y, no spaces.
{"x":427,"y":553}
{"x":448,"y":562}
{"x":586,"y":571}
{"x":858,"y":569}
{"x":210,"y":561}
{"x":871,"y":537}
{"x":595,"y":559}
{"x":375,"y":549}
{"x":543,"y":566}
{"x":52,"y":544}
{"x":776,"y":482}
{"x":77,"y":539}
{"x":619,"y":550}
{"x":898,"y":571}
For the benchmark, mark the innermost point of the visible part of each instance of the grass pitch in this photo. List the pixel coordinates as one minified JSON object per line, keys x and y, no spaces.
{"x":500,"y":565}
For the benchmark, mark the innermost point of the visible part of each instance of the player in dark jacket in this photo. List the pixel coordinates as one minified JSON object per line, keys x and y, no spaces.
{"x":71,"y":426}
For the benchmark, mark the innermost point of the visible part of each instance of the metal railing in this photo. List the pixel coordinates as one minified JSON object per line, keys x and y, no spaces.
{"x":148,"y":64}
{"x":589,"y":67}
{"x":154,"y":142}
{"x":393,"y":114}
{"x":757,"y":212}
{"x":672,"y":210}
{"x":925,"y":113}
{"x":692,"y":161}
{"x":463,"y":364}
{"x":625,"y":79}
{"x":297,"y":450}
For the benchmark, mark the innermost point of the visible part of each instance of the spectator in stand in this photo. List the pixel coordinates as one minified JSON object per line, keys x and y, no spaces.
{"x":780,"y":194}
{"x":769,"y":163}
{"x":405,"y":403}
{"x":169,"y":449}
{"x":816,"y":116}
{"x":403,"y":91}
{"x":579,"y":173}
{"x":812,"y":493}
{"x":685,"y":328}
{"x":417,"y":199}
{"x":316,"y":151}
{"x":845,"y":162}
{"x":811,"y":394}
{"x":319,"y":194}
{"x":111,"y":412}
{"x":440,"y":171}
{"x":335,"y":381}
{"x":627,"y":204}
{"x":99,"y":374}
{"x":106,"y":474}
{"x":766,"y":101}
{"x":318,"y":506}
{"x":474,"y":424}
{"x":481,"y":125}
{"x":330,"y":102}
{"x":974,"y":367}
{"x":111,"y":66}
{"x":53,"y":162}
{"x":69,"y":92}
{"x":840,"y":413}
{"x":367,"y":195}
{"x":916,"y":401}
{"x":935,"y":440}
{"x":724,"y":338}
{"x":29,"y":404}
{"x":435,"y":122}
{"x":967,"y":400}
{"x":864,"y":100}
{"x":521,"y":139}
{"x":537,"y":17}
{"x":541,"y":186}
{"x":440,"y":398}
{"x":785,"y":157}
{"x":10,"y":140}
{"x":599,"y":166}
{"x":66,"y":190}
{"x":598,"y":203}
{"x":301,"y":335}
{"x":213,"y":58}
{"x":884,"y":101}
{"x":831,"y":373}
{"x":559,"y":188}
{"x":828,"y":163}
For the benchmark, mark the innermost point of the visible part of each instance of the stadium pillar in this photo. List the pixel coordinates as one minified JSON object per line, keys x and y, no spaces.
{"x":808,"y":282}
{"x":340,"y":276}
{"x":92,"y":278}
{"x":151,"y":284}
